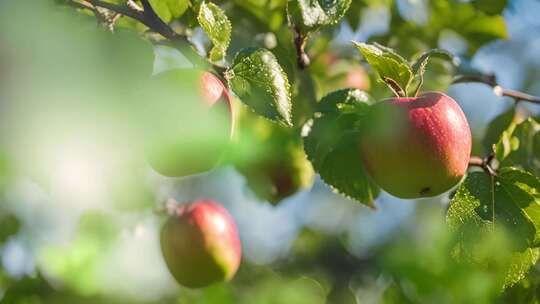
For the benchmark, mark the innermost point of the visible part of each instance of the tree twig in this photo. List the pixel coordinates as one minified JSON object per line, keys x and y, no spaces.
{"x":134,"y":6}
{"x":497,"y":89}
{"x":158,"y":25}
{"x":476,"y":161}
{"x":80,"y":5}
{"x":123,"y":10}
{"x":300,"y":45}
{"x":148,"y":17}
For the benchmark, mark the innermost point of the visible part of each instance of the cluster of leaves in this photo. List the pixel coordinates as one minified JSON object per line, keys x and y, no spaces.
{"x":476,"y":22}
{"x":507,"y":201}
{"x":263,"y":79}
{"x":331,"y":154}
{"x":334,"y":123}
{"x":270,"y":88}
{"x":342,"y":112}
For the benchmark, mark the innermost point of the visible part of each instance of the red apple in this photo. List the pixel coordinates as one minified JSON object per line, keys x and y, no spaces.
{"x":416,"y":147}
{"x":212,"y":89}
{"x":193,"y":122}
{"x":216,"y":95}
{"x":200,"y":244}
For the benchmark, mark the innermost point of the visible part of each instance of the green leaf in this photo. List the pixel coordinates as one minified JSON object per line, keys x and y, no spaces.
{"x":304,"y":98}
{"x":354,"y":14}
{"x":462,"y":18}
{"x":392,"y":68}
{"x":336,"y":101}
{"x":217,"y":26}
{"x":536,"y":145}
{"x":490,"y":7}
{"x":516,"y":146}
{"x":266,"y":15}
{"x":332,"y":145}
{"x":520,"y":264}
{"x":510,"y":200}
{"x":505,"y":144}
{"x":390,"y":52}
{"x":310,"y":15}
{"x":483,"y":29}
{"x":260,"y":82}
{"x":9,"y":225}
{"x":6,"y":173}
{"x":419,"y":67}
{"x":496,"y":128}
{"x":170,"y":9}
{"x":509,"y":203}
{"x":75,"y":263}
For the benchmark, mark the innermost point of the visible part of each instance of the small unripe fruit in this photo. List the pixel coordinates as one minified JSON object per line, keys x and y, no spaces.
{"x":416,"y":147}
{"x":272,"y":159}
{"x":275,"y":178}
{"x":200,"y":244}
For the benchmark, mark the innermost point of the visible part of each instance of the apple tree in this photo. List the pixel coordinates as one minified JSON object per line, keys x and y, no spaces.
{"x":113,"y":111}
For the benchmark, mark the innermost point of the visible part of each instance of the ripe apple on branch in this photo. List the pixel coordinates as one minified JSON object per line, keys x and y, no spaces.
{"x":416,"y":146}
{"x":413,"y":146}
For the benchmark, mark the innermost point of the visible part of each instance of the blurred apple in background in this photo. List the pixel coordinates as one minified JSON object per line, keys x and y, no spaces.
{"x":189,"y":121}
{"x":277,"y":177}
{"x":333,"y":73}
{"x":271,"y":158}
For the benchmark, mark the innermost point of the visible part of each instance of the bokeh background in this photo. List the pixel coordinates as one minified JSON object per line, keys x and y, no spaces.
{"x":77,"y":220}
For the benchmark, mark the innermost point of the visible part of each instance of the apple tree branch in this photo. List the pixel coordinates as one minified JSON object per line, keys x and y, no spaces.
{"x":497,"y":89}
{"x":147,"y":16}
